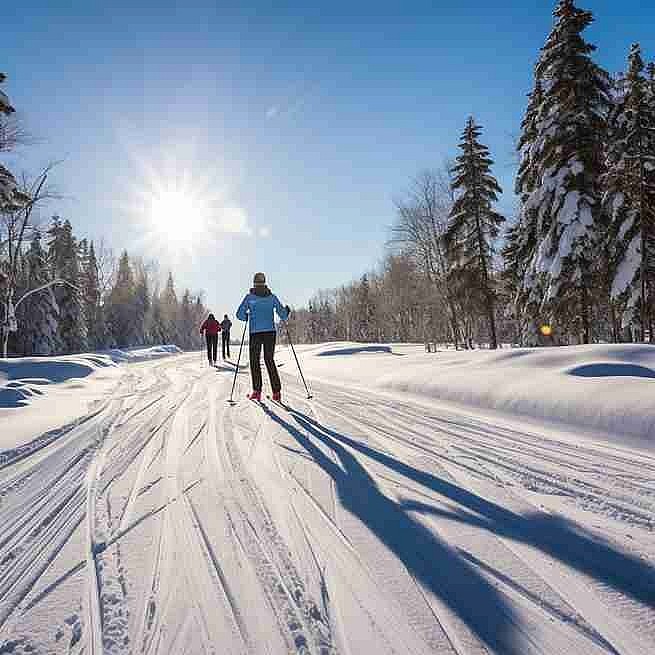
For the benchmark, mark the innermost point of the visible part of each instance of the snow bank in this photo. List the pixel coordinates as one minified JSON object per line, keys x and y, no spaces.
{"x":601,"y":387}
{"x":25,"y":378}
{"x":38,"y":394}
{"x":141,"y":354}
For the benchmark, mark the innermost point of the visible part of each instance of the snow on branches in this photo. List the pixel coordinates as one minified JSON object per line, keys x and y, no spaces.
{"x":560,"y":166}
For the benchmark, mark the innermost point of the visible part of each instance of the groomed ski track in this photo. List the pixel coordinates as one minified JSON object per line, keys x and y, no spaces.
{"x":167,"y":521}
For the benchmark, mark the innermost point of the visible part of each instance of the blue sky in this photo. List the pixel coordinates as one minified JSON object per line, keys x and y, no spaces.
{"x":294,"y":125}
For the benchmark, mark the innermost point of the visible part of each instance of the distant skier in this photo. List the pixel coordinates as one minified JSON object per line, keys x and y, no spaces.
{"x":257,"y":308}
{"x":211,"y":327}
{"x":226,"y":324}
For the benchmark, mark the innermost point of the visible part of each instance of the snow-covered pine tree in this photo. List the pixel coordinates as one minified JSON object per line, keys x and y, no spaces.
{"x":157,"y":329}
{"x":64,"y":260}
{"x":562,"y":177}
{"x":629,"y":197}
{"x":522,"y":237}
{"x":40,"y":309}
{"x":513,"y":272}
{"x":474,"y":225}
{"x":90,"y":288}
{"x":170,"y":310}
{"x":10,"y":196}
{"x":120,"y":310}
{"x":142,"y":301}
{"x":186,"y":325}
{"x":199,"y":314}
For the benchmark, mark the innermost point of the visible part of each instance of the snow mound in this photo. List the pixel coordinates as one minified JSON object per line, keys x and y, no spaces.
{"x":607,"y":387}
{"x":40,"y":394}
{"x":23,"y":378}
{"x":141,"y":354}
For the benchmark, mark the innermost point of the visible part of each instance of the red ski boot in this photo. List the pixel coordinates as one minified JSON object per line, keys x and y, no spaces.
{"x":255,"y":395}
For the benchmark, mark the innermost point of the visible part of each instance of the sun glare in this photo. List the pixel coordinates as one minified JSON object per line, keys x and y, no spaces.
{"x":172,"y":211}
{"x":180,"y":204}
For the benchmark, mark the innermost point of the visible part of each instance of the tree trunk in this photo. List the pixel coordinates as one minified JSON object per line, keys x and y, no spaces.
{"x":454,"y":325}
{"x":615,"y":331}
{"x":586,"y":327}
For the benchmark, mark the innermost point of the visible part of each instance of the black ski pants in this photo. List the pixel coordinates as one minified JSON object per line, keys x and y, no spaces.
{"x":212,"y":347}
{"x":225,"y":342}
{"x":267,"y":340}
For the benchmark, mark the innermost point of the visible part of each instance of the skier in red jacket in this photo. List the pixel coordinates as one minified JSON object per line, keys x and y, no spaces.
{"x":211,"y":327}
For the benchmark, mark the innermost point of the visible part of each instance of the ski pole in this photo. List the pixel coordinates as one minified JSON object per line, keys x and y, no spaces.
{"x":236,"y":370}
{"x":293,"y":350}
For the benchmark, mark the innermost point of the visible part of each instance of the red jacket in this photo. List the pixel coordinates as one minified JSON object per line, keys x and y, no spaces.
{"x":211,"y":326}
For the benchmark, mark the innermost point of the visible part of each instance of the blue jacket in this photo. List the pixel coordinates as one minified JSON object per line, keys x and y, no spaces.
{"x":257,"y":309}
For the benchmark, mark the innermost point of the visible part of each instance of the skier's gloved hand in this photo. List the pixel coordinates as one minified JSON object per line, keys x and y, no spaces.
{"x":288,"y":310}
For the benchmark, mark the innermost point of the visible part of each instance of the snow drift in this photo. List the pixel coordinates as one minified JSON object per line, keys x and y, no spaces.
{"x":38,"y":394}
{"x":599,"y":387}
{"x":24,"y":378}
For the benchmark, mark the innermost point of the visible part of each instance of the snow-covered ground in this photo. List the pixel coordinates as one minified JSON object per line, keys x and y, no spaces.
{"x":51,"y":392}
{"x":409,"y":507}
{"x":608,"y":388}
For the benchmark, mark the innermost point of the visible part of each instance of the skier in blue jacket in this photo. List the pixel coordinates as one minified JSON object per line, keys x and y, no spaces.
{"x":257,"y":308}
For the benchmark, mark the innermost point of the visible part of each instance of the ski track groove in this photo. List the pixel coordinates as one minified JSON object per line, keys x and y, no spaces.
{"x":621,"y":506}
{"x":273,"y":560}
{"x":51,"y":489}
{"x":572,"y":592}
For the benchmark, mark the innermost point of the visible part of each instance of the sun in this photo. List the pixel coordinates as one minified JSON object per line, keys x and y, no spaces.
{"x":177,"y":202}
{"x":177,"y":214}
{"x":170,"y":209}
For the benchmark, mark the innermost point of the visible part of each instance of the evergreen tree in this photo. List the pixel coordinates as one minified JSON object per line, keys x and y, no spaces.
{"x":522,"y":238}
{"x":90,"y":287}
{"x":64,"y":259}
{"x":514,"y":264}
{"x":559,"y":184}
{"x":474,"y":225}
{"x":170,"y":309}
{"x":630,"y":193}
{"x":40,"y":309}
{"x":10,"y":196}
{"x":142,"y":302}
{"x":365,"y":311}
{"x":120,"y":313}
{"x":187,"y":325}
{"x":158,"y":331}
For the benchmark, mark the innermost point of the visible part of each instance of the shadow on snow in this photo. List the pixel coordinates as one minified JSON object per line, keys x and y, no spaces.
{"x":432,"y":562}
{"x":436,"y":565}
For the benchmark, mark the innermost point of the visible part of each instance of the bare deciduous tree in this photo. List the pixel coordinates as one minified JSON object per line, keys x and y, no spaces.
{"x":422,"y":218}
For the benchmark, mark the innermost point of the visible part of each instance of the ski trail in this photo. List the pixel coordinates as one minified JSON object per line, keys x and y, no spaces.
{"x":181,"y":521}
{"x":306,"y":631}
{"x":607,"y":632}
{"x":167,"y":521}
{"x":92,"y":611}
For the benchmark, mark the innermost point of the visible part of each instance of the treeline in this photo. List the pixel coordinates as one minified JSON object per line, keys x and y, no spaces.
{"x":60,"y":294}
{"x":97,"y":302}
{"x":577,"y":262}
